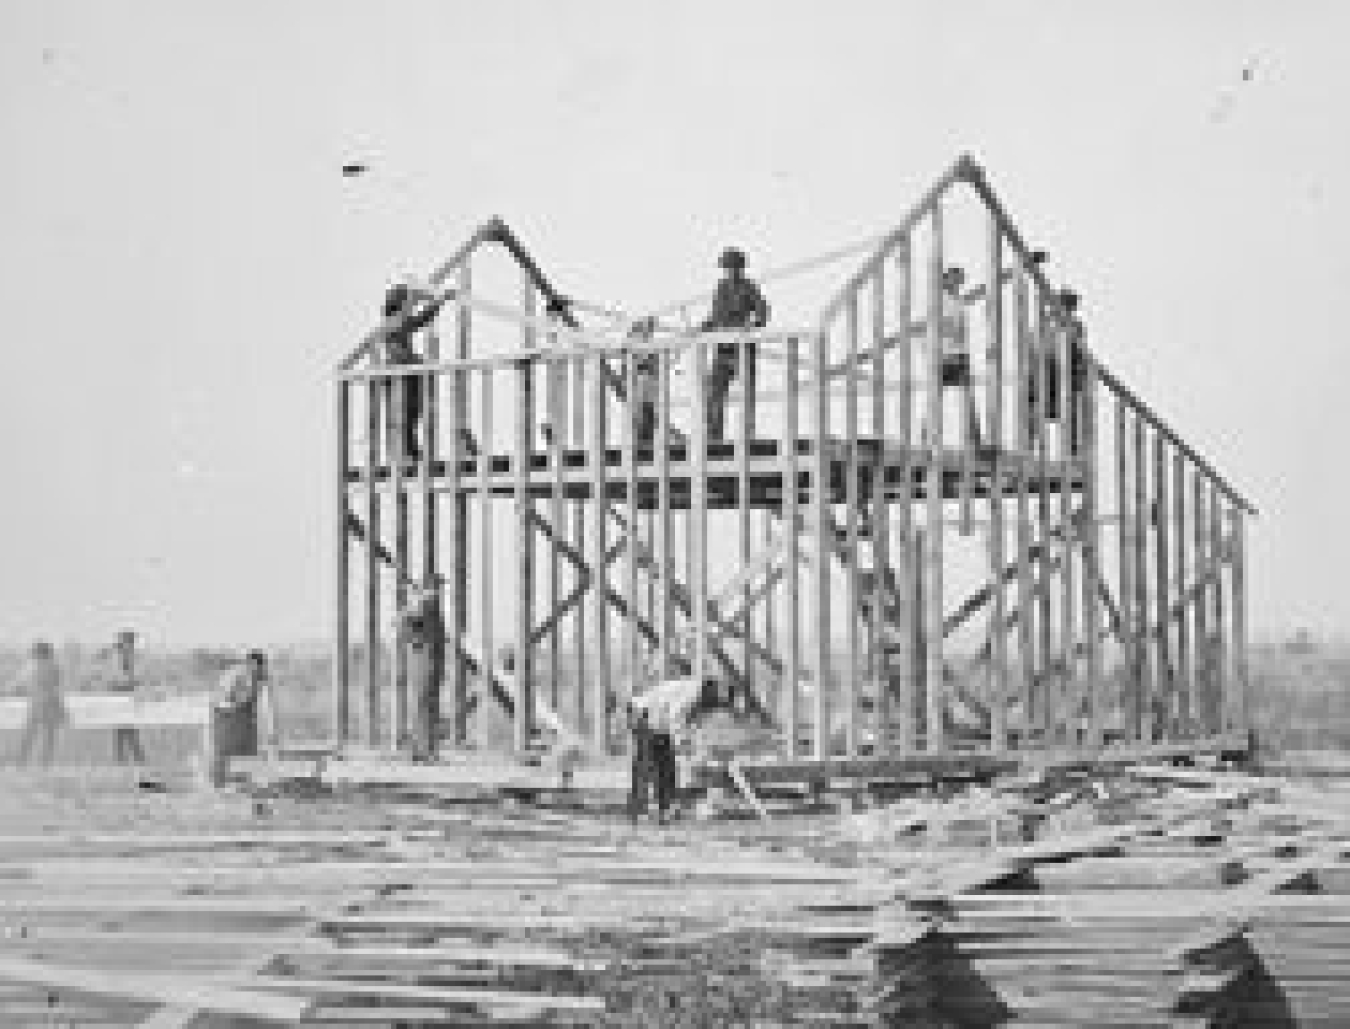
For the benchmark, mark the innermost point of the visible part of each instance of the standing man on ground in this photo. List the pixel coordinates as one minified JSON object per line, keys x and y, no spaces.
{"x":127,"y":747}
{"x":738,"y":304}
{"x":243,"y":693}
{"x":401,"y":301}
{"x":40,"y":682}
{"x":421,"y":632}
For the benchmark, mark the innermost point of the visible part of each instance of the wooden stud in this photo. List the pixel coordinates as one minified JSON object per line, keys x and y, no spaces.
{"x":1143,"y":524}
{"x":1048,"y":710}
{"x":1182,"y":661}
{"x":1204,"y":648}
{"x":852,"y":583}
{"x":595,"y":459}
{"x":823,"y":546}
{"x":904,"y":554}
{"x":397,"y":455}
{"x":1128,"y":694}
{"x":879,"y":625}
{"x":524,"y":542}
{"x":791,"y":525}
{"x":632,"y":642}
{"x":1068,"y":682}
{"x":1237,"y":544}
{"x":430,"y":508}
{"x":557,"y":419}
{"x":486,"y":563}
{"x":341,"y":610}
{"x":373,"y":642}
{"x":993,"y":312}
{"x":934,"y":684}
{"x":1162,"y":595}
{"x":457,"y":526}
{"x":745,"y":425}
{"x":1094,"y":576}
{"x":1026,"y":576}
{"x":665,"y":549}
{"x":580,"y":643}
{"x":698,"y":506}
{"x":1217,"y":547}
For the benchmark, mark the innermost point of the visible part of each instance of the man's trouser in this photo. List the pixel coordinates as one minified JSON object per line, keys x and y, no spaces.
{"x":663,"y":770}
{"x":127,"y":748}
{"x":42,"y":730}
{"x":425,"y":710}
{"x":641,"y":779}
{"x":725,"y":366}
{"x":408,"y":390}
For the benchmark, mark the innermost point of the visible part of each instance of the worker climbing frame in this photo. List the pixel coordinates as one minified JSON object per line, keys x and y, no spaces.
{"x":592,"y":536}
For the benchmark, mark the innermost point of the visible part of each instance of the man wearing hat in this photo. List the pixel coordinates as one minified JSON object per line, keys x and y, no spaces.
{"x":421,"y":634}
{"x":40,"y":682}
{"x":127,"y":747}
{"x":242,"y":691}
{"x":400,"y":301}
{"x":738,"y":304}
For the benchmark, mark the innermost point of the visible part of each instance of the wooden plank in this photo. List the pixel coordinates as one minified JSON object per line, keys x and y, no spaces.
{"x":1162,"y":596}
{"x":698,"y":506}
{"x":880,"y":627}
{"x":934,"y":681}
{"x":342,"y":652}
{"x":665,"y":618}
{"x":852,"y":582}
{"x":1143,"y":524}
{"x":633,"y":562}
{"x":523,"y":645}
{"x":1094,"y":584}
{"x":372,"y":627}
{"x":1070,"y":710}
{"x":1026,"y":576}
{"x":1128,"y":693}
{"x":1242,"y":721}
{"x":905,"y":555}
{"x":821,"y":522}
{"x":792,"y":518}
{"x":159,"y":988}
{"x":1207,"y":721}
{"x":486,"y":562}
{"x":993,"y":313}
{"x":579,"y":440}
{"x":599,"y":607}
{"x":430,"y":503}
{"x":457,"y":522}
{"x":1182,"y":664}
{"x":397,"y":454}
{"x":745,"y":425}
{"x":1047,"y":711}
{"x":557,"y":421}
{"x":1216,"y":548}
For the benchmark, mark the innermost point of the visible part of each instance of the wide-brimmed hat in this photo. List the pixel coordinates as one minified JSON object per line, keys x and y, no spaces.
{"x":732,"y":257}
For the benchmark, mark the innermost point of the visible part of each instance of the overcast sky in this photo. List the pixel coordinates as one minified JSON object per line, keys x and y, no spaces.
{"x":181,"y":261}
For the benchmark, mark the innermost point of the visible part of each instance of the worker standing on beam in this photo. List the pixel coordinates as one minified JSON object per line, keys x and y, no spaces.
{"x":400,"y":301}
{"x":737,"y":304}
{"x":421,"y":632}
{"x":40,"y":682}
{"x":956,"y":371}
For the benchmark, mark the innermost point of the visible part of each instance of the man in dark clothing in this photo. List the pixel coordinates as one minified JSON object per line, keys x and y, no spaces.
{"x":737,"y":304}
{"x":401,"y":300}
{"x":653,"y":757}
{"x":1068,"y":302}
{"x":421,"y":631}
{"x":127,"y":747}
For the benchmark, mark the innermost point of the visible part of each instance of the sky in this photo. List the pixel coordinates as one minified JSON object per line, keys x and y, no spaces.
{"x":181,"y":261}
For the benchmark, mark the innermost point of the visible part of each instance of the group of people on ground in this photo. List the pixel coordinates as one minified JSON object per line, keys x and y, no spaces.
{"x":242,"y":694}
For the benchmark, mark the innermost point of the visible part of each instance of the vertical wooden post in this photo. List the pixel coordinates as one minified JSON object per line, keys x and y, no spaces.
{"x":665,"y":614}
{"x":373,"y":642}
{"x":524,"y":546}
{"x":457,"y":526}
{"x":853,"y":591}
{"x":1162,"y":597}
{"x":342,"y":611}
{"x":1237,"y":547}
{"x":880,"y":629}
{"x":904,"y":555}
{"x":487,"y":551}
{"x":599,"y":601}
{"x":1070,"y":710}
{"x":823,"y":530}
{"x":1143,"y":523}
{"x":1217,"y":550}
{"x":1128,"y":692}
{"x":1026,"y":575}
{"x":1204,"y":648}
{"x":934,"y":684}
{"x":745,"y":425}
{"x":557,"y":420}
{"x":632,"y":648}
{"x":1094,"y":564}
{"x":580,"y":406}
{"x":430,"y":511}
{"x":792,"y":526}
{"x":993,"y":312}
{"x":398,"y":457}
{"x":1182,"y":664}
{"x":698,"y":505}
